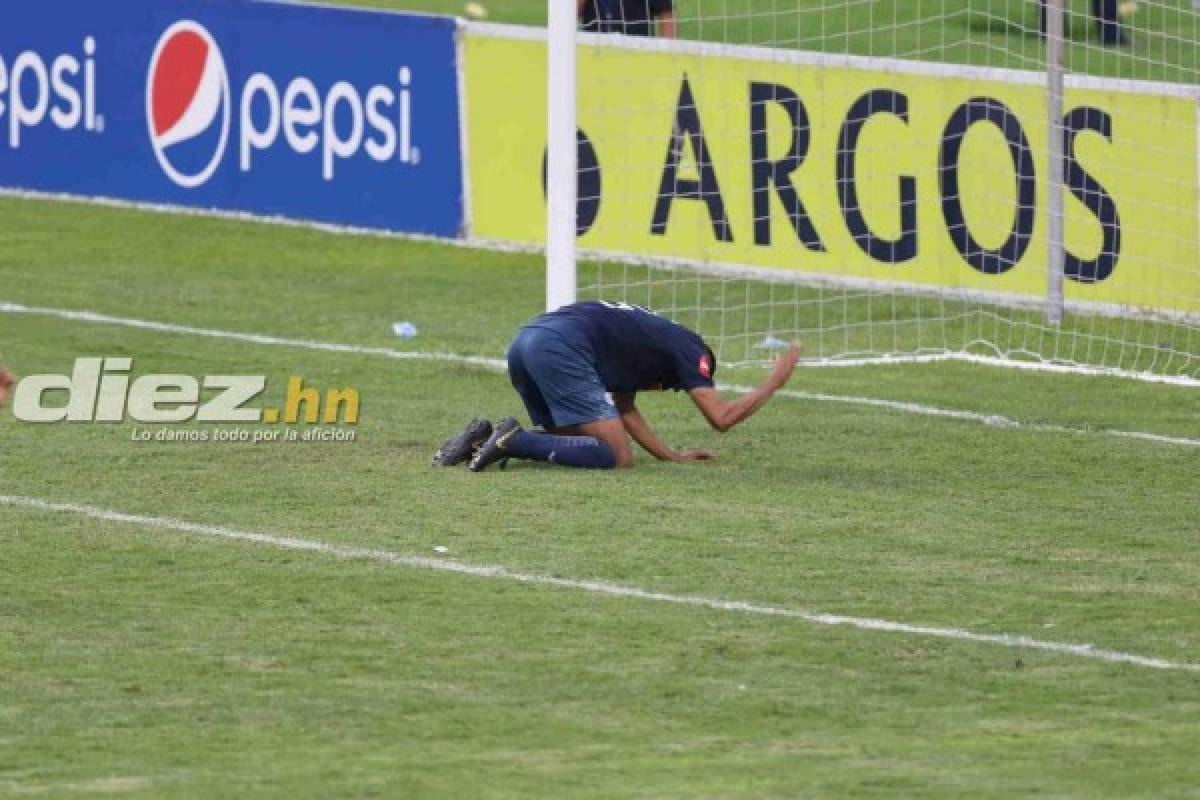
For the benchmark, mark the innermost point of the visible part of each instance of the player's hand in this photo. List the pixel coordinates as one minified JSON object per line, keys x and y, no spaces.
{"x":785,"y":364}
{"x":688,"y":456}
{"x":6,"y":382}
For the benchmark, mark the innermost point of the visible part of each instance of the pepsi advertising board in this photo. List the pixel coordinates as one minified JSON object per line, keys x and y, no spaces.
{"x":311,"y":113}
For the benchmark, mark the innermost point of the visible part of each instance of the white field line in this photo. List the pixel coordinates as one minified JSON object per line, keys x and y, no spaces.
{"x":492,"y":245}
{"x":252,"y":338}
{"x":992,"y":420}
{"x":595,"y":586}
{"x":705,"y":267}
{"x":731,"y":270}
{"x":1059,"y":368}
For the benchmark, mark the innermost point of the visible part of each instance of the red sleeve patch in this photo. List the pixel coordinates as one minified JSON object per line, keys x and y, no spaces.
{"x":706,"y":366}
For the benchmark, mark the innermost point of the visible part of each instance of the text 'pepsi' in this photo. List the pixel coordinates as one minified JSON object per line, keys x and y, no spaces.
{"x":31,"y":90}
{"x":189,"y":87}
{"x":311,"y":113}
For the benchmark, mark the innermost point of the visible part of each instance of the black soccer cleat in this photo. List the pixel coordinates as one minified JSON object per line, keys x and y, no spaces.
{"x":462,"y":445}
{"x":493,"y":449}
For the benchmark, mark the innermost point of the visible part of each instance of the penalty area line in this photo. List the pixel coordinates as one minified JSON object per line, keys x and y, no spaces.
{"x":599,"y":587}
{"x":499,"y":364}
{"x":250,"y":338}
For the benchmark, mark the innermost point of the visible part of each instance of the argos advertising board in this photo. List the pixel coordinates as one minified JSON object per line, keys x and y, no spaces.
{"x":321,"y":114}
{"x":842,"y":168}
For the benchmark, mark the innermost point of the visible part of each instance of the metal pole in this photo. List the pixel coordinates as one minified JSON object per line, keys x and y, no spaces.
{"x":561,"y":157}
{"x":1055,"y":161}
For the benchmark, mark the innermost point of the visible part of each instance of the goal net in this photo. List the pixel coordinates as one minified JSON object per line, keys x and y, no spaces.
{"x":1003,"y":181}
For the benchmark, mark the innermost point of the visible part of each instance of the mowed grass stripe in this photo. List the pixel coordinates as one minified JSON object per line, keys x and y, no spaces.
{"x":597,"y":586}
{"x":992,"y":420}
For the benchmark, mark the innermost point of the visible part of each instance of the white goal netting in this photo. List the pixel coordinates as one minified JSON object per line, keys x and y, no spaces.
{"x":878,"y":179}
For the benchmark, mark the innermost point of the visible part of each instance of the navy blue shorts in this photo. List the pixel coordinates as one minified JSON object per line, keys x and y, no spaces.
{"x":556,"y":379}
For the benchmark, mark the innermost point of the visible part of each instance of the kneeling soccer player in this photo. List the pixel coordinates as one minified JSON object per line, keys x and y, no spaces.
{"x":566,"y":362}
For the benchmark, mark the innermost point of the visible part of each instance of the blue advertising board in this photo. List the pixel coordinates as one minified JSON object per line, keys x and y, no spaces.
{"x":313,"y":113}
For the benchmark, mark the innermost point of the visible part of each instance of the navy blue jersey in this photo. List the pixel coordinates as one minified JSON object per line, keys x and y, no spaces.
{"x":631,"y":347}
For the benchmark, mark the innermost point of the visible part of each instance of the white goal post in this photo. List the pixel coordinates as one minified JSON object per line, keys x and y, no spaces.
{"x":561,"y":162}
{"x":939,"y":181}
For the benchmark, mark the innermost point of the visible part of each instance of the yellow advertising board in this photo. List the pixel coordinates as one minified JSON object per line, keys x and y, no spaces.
{"x":849,"y":168}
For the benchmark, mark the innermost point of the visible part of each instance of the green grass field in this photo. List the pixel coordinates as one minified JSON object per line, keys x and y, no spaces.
{"x":144,"y":662}
{"x":140,"y":659}
{"x":994,"y":33}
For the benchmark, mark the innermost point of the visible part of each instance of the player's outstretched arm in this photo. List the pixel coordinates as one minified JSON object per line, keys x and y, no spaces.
{"x":723,"y":414}
{"x":637,"y":427}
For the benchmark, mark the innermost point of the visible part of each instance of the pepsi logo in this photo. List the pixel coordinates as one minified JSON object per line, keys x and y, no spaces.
{"x":188,"y":104}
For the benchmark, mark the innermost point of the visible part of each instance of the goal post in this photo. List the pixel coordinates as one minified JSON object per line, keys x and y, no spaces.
{"x":561,"y":161}
{"x":1010,"y":182}
{"x":1054,"y":161}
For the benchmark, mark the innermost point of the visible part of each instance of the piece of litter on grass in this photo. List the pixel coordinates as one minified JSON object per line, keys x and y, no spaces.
{"x":405,"y":330}
{"x":772,"y":343}
{"x":440,"y":549}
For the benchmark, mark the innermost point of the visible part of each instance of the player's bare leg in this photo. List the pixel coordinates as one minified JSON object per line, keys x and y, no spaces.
{"x":609,"y":431}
